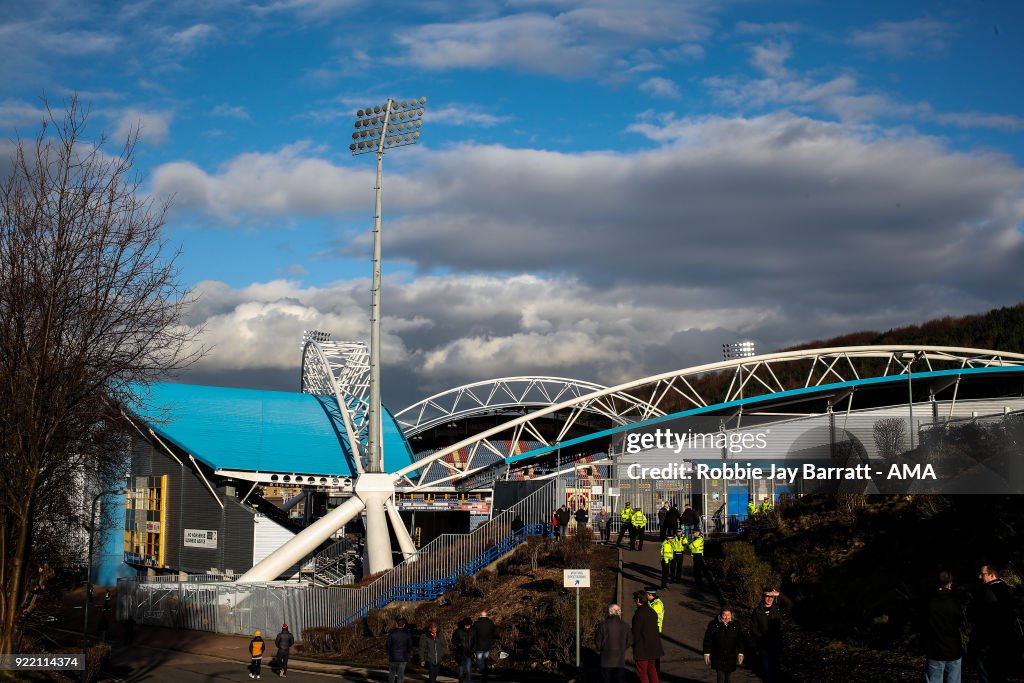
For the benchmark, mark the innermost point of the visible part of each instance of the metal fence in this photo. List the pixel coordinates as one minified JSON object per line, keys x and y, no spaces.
{"x":242,"y":608}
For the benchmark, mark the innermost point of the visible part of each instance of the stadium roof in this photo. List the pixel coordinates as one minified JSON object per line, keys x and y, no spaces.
{"x":259,"y":431}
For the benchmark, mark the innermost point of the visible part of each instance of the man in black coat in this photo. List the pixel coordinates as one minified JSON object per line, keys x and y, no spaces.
{"x":672,"y":521}
{"x":690,"y":520}
{"x":613,"y":638}
{"x":399,"y":646}
{"x":284,"y":642}
{"x":942,"y":632}
{"x":723,"y":646}
{"x":995,"y":633}
{"x":484,"y":635}
{"x":464,"y":647}
{"x":766,"y":632}
{"x":646,"y":640}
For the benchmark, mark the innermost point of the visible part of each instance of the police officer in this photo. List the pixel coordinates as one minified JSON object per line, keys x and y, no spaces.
{"x":627,"y":521}
{"x":638,"y":526}
{"x":667,"y":555}
{"x":657,"y":605}
{"x":679,"y":547}
{"x":697,"y":551}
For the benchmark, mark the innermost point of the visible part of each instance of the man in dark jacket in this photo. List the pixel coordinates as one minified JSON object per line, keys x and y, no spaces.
{"x":562,"y":516}
{"x":581,"y":517}
{"x":646,"y":640}
{"x":399,"y":646}
{"x":464,"y":647}
{"x":672,"y":521}
{"x":613,"y":638}
{"x":690,"y":520}
{"x":284,"y":642}
{"x":723,"y":646}
{"x":942,"y":632}
{"x":766,"y":632}
{"x":995,"y":632}
{"x":484,"y":635}
{"x":433,"y":648}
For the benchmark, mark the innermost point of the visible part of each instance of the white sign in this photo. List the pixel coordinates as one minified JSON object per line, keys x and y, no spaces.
{"x":597,"y":490}
{"x":152,"y":527}
{"x":200,"y":538}
{"x":613,"y":491}
{"x":576,"y":578}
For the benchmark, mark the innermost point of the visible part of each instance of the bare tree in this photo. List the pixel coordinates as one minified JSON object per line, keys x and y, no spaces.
{"x":890,"y":437}
{"x":90,"y":307}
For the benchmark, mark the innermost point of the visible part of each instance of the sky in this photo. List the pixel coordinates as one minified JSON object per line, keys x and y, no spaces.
{"x":602,"y":190}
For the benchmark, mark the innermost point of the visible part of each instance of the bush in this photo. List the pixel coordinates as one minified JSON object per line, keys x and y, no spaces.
{"x":322,"y":640}
{"x":746,"y":571}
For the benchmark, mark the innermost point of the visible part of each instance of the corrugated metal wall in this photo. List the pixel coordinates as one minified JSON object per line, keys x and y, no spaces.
{"x":268,"y":536}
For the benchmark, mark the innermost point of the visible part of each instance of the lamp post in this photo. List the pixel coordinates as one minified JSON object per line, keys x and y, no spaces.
{"x":910,"y":392}
{"x":88,"y":569}
{"x":378,"y":129}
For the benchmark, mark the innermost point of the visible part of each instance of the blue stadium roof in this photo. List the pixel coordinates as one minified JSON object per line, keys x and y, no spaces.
{"x":254,"y":430}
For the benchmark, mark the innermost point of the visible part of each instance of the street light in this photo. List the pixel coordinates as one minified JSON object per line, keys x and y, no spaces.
{"x":88,"y":571}
{"x":910,"y":390}
{"x":378,"y":129}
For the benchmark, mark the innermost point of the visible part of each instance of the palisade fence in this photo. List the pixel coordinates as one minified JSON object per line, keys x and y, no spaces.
{"x":233,"y":608}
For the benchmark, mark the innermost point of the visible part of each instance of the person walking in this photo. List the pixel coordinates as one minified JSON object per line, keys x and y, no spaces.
{"x":723,"y":646}
{"x":433,"y":649}
{"x":672,"y":521}
{"x":662,"y":511}
{"x":689,"y":520}
{"x":697,"y":552}
{"x":995,"y":632}
{"x":603,"y":522}
{"x":639,"y":523}
{"x":284,"y":642}
{"x":613,"y":638}
{"x":679,"y":548}
{"x":257,"y":646}
{"x":667,"y":556}
{"x":484,"y":635}
{"x":646,"y":640}
{"x":464,"y":647}
{"x":626,"y":519}
{"x":943,"y":628}
{"x":581,"y":517}
{"x":766,"y":632}
{"x":399,"y":646}
{"x":563,"y":517}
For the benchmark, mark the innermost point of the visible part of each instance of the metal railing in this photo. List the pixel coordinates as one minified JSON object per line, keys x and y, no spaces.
{"x":241,"y":608}
{"x":186,"y":578}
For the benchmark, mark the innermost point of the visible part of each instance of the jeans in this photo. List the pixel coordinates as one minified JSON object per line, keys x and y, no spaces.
{"x":770,"y":658}
{"x":466,"y":669}
{"x":396,"y":672}
{"x":481,"y":663}
{"x":939,"y":671}
{"x":282,"y":660}
{"x":254,"y":667}
{"x":432,"y":670}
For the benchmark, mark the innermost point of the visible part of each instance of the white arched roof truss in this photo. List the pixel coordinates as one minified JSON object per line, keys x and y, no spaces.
{"x":528,"y":392}
{"x":341,"y":370}
{"x":668,"y":391}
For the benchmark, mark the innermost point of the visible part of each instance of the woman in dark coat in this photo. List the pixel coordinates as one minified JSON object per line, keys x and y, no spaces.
{"x":613,"y":638}
{"x":723,"y":645}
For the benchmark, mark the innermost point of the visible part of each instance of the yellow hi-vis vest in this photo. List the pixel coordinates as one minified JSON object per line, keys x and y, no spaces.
{"x":667,"y":551}
{"x":697,"y":546}
{"x":627,"y":514}
{"x":751,"y":508}
{"x":639,"y":520}
{"x":659,"y":608}
{"x":678,"y":545}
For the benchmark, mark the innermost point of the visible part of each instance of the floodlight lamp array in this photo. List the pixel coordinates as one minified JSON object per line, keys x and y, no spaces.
{"x":396,"y":123}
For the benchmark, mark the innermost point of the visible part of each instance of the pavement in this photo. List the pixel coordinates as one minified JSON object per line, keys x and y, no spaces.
{"x":688,"y":609}
{"x":178,"y":656}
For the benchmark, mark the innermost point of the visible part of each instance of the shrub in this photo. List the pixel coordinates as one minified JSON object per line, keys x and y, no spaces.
{"x":744,"y":569}
{"x":321,"y":640}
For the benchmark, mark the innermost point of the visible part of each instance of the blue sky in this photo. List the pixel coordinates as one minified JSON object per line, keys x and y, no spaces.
{"x":603,"y":189}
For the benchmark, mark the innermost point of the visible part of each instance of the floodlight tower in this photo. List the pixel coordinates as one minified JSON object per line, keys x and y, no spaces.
{"x":378,"y":129}
{"x":741,"y":349}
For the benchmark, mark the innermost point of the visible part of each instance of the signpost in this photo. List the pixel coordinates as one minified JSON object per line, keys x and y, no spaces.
{"x":576,"y":578}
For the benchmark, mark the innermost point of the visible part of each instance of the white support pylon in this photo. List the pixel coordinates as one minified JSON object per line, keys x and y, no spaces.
{"x":375,"y":489}
{"x":405,"y":542}
{"x":303,"y":543}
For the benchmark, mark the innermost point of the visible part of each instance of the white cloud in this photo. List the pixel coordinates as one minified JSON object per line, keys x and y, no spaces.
{"x":770,"y":58}
{"x":188,"y":39}
{"x":465,"y":115}
{"x":228,"y":111}
{"x":774,"y":28}
{"x":152,"y":126}
{"x":924,"y":37}
{"x":660,"y":87}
